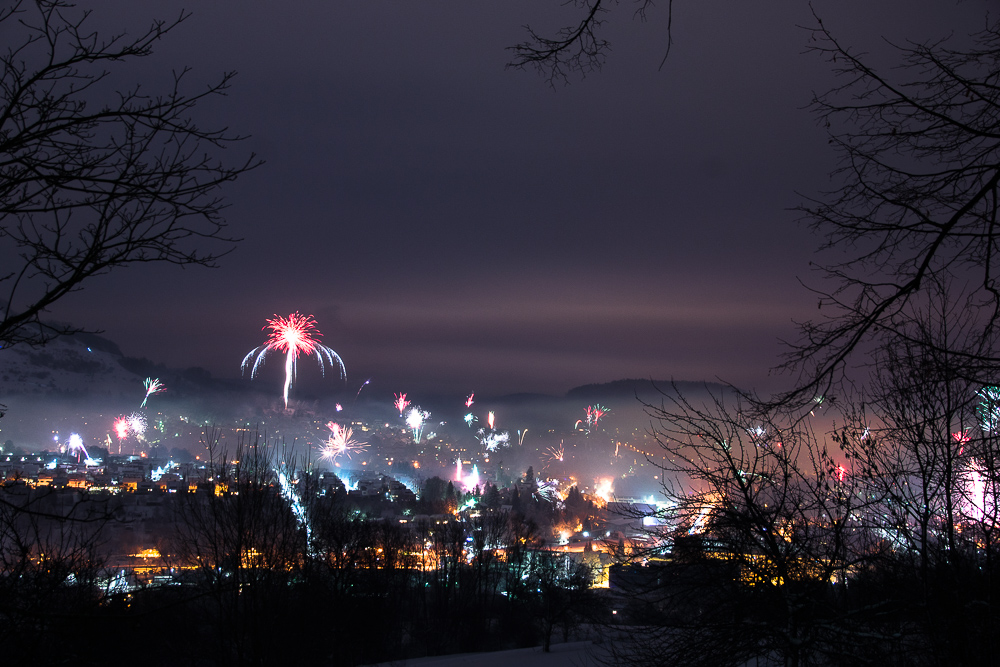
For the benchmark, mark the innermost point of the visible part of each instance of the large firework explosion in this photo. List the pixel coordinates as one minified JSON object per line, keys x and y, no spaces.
{"x":292,"y":335}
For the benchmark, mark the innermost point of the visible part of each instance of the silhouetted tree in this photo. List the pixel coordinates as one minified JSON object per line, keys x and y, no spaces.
{"x":52,"y":569}
{"x":924,"y":451}
{"x":433,"y":493}
{"x":770,"y":500}
{"x":577,"y":48}
{"x":915,"y":199}
{"x":491,"y":498}
{"x":96,"y":172}
{"x":246,"y":543}
{"x":560,"y":588}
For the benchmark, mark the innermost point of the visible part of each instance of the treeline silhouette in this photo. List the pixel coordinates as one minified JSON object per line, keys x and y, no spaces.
{"x":250,"y":572}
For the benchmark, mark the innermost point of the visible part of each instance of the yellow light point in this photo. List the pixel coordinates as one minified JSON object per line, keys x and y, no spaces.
{"x":605,"y":489}
{"x":147,"y":553}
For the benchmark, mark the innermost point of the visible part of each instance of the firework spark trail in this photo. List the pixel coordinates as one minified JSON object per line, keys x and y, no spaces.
{"x":698,"y":526}
{"x":415,"y":420}
{"x":121,"y":427}
{"x":595,"y":412}
{"x":493,"y":441}
{"x":294,"y":335}
{"x":469,"y":401}
{"x":961,"y":438}
{"x":155,"y":475}
{"x":76,"y":443}
{"x":491,"y":419}
{"x":341,"y":442}
{"x":401,"y":403}
{"x":469,"y":481}
{"x":291,"y":496}
{"x":556,"y":453}
{"x":599,"y":412}
{"x":137,"y":424}
{"x":979,"y":497}
{"x":549,"y":490}
{"x":133,"y":424}
{"x":989,"y":409}
{"x":152,"y":387}
{"x":363,"y":385}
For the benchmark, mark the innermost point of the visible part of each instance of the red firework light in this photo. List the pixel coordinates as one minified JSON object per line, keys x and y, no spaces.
{"x":295,"y":333}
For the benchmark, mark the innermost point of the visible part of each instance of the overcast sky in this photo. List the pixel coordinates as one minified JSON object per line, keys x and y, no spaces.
{"x":457,"y":226}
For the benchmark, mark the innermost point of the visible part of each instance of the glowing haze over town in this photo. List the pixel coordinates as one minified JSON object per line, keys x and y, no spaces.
{"x":443,"y":288}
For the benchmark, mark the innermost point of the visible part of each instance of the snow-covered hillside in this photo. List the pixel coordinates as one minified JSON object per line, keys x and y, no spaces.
{"x":80,"y":364}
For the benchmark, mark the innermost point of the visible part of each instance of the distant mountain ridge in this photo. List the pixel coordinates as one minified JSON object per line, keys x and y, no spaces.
{"x":86,"y":363}
{"x":89,"y":364}
{"x":643,"y":388}
{"x":77,"y":364}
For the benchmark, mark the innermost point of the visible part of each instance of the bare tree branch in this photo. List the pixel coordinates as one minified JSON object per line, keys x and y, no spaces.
{"x":577,"y":48}
{"x":95,"y":176}
{"x":916,"y":196}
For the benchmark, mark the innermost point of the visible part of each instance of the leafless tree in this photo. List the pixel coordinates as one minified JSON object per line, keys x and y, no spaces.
{"x":577,"y":48}
{"x":909,"y":442}
{"x":342,"y":540}
{"x":96,"y":172}
{"x":561,"y":585}
{"x":915,"y":199}
{"x":490,"y":530}
{"x":52,"y":565}
{"x":981,"y":479}
{"x":447,"y":538}
{"x":921,"y":442}
{"x":773,"y":514}
{"x":243,"y":539}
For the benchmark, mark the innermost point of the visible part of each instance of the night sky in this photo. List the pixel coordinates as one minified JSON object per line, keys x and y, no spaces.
{"x":456,"y":226}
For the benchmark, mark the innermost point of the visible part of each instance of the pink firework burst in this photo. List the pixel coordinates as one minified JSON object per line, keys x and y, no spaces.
{"x":292,"y":335}
{"x":594,"y":414}
{"x":598,"y":412}
{"x":961,"y":438}
{"x":341,"y":442}
{"x":133,"y":424}
{"x":469,"y":401}
{"x":121,"y":427}
{"x":401,"y":403}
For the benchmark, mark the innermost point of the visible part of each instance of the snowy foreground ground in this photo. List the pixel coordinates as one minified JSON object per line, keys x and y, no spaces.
{"x":571,"y":654}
